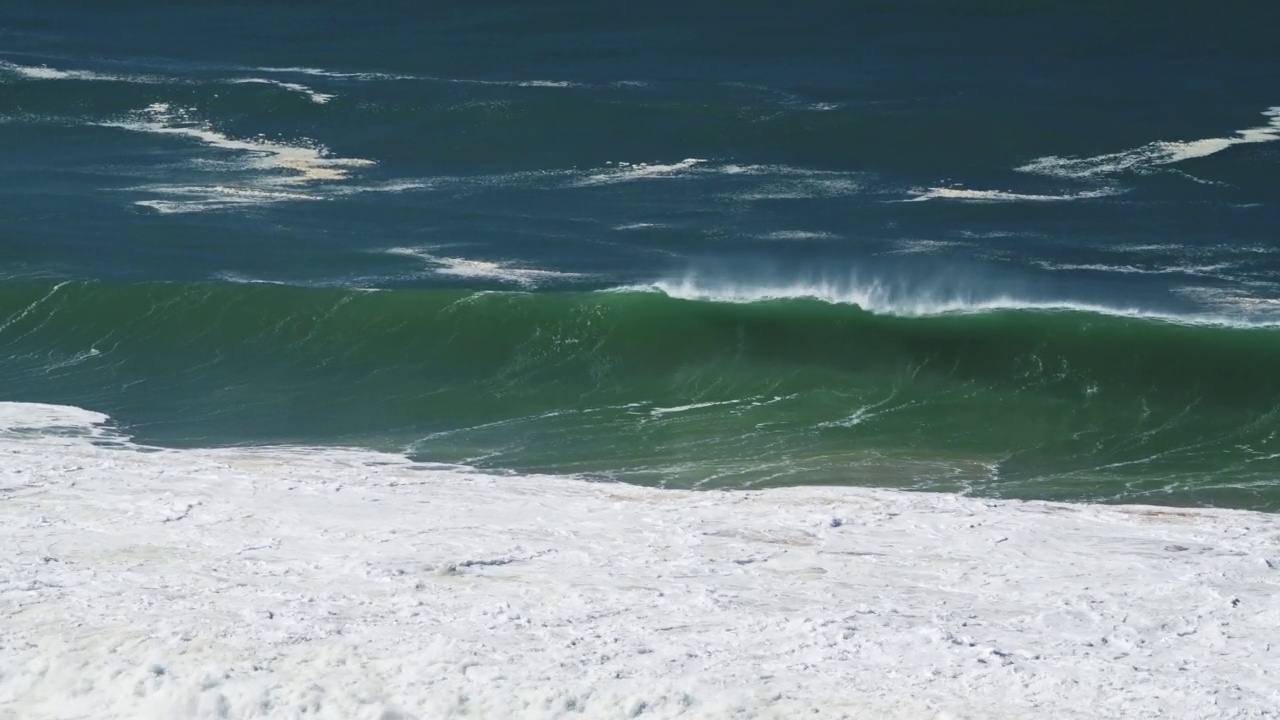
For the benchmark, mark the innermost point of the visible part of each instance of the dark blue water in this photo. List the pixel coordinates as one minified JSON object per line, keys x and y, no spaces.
{"x":910,"y":158}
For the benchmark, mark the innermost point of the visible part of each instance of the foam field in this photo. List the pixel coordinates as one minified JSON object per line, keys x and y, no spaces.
{"x":295,"y":582}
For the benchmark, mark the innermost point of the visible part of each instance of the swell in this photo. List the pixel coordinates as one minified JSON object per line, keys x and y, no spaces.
{"x":646,"y":387}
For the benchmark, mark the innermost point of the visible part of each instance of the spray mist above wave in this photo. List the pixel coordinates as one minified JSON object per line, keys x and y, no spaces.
{"x":1153,"y":155}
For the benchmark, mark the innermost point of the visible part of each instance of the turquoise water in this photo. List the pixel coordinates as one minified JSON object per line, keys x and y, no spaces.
{"x":1014,"y":250}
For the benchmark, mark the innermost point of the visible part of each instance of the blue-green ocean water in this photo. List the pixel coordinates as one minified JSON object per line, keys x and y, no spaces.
{"x":1013,"y":249}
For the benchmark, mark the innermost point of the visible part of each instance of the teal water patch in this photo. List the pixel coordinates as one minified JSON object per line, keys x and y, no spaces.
{"x":647,"y":388}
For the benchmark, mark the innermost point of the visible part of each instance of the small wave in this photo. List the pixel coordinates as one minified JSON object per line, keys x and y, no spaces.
{"x":1153,"y":155}
{"x":318,"y":98}
{"x":921,"y":247}
{"x":1226,"y":300}
{"x":799,"y":235}
{"x":197,"y":198}
{"x":994,"y":196}
{"x":502,"y":271}
{"x":373,"y":76}
{"x":785,"y":182}
{"x":336,"y":74}
{"x":44,"y":72}
{"x":637,"y":226}
{"x":628,"y":172}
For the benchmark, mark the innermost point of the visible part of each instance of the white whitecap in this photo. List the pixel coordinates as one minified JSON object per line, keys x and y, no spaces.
{"x":1153,"y":155}
{"x":318,"y":98}
{"x":798,"y":235}
{"x":261,"y":171}
{"x":998,"y":196}
{"x":44,"y":72}
{"x":629,"y":172}
{"x":916,"y":299}
{"x":501,"y":271}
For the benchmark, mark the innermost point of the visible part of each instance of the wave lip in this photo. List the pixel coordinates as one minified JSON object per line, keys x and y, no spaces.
{"x":1153,"y":155}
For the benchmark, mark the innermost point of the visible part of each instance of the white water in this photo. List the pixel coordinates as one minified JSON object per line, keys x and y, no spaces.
{"x":329,"y":583}
{"x":1154,"y":155}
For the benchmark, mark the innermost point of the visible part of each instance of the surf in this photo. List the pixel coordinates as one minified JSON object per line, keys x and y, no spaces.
{"x":644,"y":386}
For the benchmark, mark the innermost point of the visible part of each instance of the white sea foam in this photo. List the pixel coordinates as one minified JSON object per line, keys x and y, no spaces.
{"x":785,"y":182}
{"x":1238,"y":301}
{"x":1213,"y":270}
{"x":502,"y":271}
{"x":995,"y":196}
{"x":921,"y":247}
{"x":265,"y":171}
{"x":799,"y":235}
{"x":629,"y":172}
{"x":367,"y":76}
{"x":638,"y":226}
{"x":334,"y":583}
{"x":44,"y":72}
{"x":1153,"y":155}
{"x":659,"y":411}
{"x":318,"y":98}
{"x":321,"y":72}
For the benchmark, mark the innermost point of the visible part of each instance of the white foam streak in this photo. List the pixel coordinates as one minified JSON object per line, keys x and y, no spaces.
{"x":1153,"y":155}
{"x":502,"y":271}
{"x":1207,"y":270}
{"x":321,"y":72}
{"x":331,"y":583}
{"x":268,"y":171}
{"x":893,"y":298}
{"x":799,"y":235}
{"x":318,"y":98}
{"x":628,"y":172}
{"x":994,"y":196}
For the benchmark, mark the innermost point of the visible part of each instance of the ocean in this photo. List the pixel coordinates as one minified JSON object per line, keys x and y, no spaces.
{"x":1006,"y":249}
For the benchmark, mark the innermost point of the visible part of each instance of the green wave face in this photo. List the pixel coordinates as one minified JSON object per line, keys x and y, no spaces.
{"x":643,"y":387}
